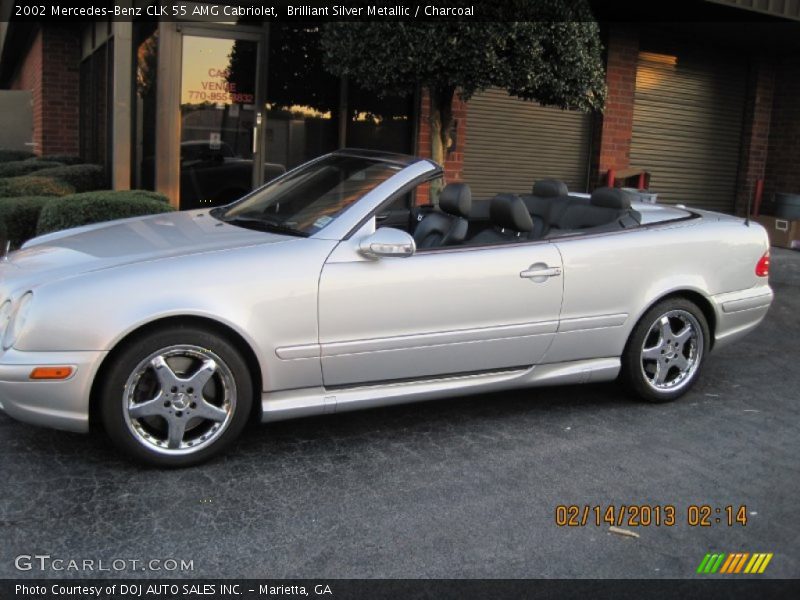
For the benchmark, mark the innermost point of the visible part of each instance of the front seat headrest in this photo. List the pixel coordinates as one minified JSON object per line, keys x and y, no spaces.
{"x":550,"y":188}
{"x":456,"y":199}
{"x":508,"y":211}
{"x":606,"y":197}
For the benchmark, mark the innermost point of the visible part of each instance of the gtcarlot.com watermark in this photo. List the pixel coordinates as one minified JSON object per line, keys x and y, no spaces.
{"x":48,"y":563}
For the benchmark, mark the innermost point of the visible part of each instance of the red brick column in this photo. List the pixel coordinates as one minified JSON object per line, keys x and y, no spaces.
{"x":51,"y":71}
{"x":454,"y":163}
{"x":613,"y":148}
{"x":782,"y":173}
{"x":756,"y":131}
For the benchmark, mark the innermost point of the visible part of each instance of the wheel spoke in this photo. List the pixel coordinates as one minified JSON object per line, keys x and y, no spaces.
{"x":177,"y":426}
{"x":147,"y":408}
{"x":202,"y":375}
{"x":653,"y":353}
{"x":661,"y":373}
{"x":684,"y":335}
{"x":681,"y":362}
{"x":665,"y":329}
{"x":208,"y":411}
{"x":166,"y":376}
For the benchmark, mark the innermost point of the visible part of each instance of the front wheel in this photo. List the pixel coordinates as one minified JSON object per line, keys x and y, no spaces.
{"x":176,"y":397}
{"x":665,"y":352}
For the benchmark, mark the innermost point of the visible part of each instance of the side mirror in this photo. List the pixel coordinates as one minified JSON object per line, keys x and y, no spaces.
{"x":387,"y":242}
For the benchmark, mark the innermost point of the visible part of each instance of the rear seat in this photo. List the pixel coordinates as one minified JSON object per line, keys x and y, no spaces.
{"x":609,"y":209}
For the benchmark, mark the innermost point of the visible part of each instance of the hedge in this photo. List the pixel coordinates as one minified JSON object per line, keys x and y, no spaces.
{"x":96,"y":207}
{"x":18,"y":168}
{"x":33,"y":185}
{"x":64,"y":159}
{"x":83,"y":178}
{"x":10,"y":155}
{"x":19,"y":217}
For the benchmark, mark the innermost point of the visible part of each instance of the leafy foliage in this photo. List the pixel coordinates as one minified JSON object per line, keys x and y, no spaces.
{"x":19,"y":217}
{"x":547,"y":51}
{"x":12,"y":155}
{"x":83,"y":178}
{"x":33,"y":185}
{"x":18,"y":168}
{"x":64,"y":159}
{"x":99,"y":206}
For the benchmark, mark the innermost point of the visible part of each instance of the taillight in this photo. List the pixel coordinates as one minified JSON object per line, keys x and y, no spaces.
{"x":762,"y":267}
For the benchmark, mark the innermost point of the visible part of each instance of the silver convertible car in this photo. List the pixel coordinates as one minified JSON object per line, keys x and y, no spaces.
{"x":329,"y":289}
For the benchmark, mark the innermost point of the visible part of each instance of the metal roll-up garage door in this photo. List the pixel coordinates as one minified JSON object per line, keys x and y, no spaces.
{"x":687,"y":127}
{"x":511,"y":143}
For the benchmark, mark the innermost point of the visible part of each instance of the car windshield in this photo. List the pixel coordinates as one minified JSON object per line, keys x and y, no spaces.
{"x":311,"y":197}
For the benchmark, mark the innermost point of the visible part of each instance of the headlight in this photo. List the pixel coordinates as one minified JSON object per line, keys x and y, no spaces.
{"x":5,"y":313}
{"x":17,"y":321}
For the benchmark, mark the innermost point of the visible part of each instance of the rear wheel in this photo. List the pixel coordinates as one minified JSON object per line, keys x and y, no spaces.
{"x":176,"y":397}
{"x":665,"y":352}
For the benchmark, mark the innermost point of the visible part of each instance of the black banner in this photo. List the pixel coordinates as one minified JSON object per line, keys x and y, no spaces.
{"x":242,"y":11}
{"x":438,"y":589}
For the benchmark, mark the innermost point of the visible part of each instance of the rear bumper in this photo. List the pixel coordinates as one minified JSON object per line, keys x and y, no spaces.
{"x":738,"y":313}
{"x":59,"y":404}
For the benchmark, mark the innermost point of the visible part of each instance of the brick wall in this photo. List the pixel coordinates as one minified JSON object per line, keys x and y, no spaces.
{"x":454,"y":163}
{"x":613,"y":133}
{"x":755,"y":131}
{"x":29,"y":77}
{"x":50,"y":70}
{"x":782,"y":173}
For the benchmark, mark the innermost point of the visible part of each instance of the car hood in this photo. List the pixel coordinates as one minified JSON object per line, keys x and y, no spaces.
{"x":115,"y":243}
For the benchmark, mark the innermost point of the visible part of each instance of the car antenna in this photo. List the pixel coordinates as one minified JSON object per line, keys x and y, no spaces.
{"x":749,"y":207}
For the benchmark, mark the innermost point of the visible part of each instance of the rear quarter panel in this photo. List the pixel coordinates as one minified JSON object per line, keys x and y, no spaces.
{"x":623,"y":274}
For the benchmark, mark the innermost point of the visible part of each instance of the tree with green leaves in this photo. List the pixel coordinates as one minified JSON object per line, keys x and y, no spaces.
{"x":553,"y":58}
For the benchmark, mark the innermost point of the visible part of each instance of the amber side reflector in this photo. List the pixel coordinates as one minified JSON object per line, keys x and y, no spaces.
{"x":762,"y":267}
{"x":51,"y":372}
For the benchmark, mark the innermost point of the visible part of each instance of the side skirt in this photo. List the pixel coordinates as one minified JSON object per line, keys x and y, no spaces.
{"x":306,"y":402}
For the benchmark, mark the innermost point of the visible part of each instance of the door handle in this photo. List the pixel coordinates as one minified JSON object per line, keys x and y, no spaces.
{"x":540,"y":272}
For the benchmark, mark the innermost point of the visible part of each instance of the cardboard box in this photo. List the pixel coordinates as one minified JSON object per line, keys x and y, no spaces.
{"x":782,"y":232}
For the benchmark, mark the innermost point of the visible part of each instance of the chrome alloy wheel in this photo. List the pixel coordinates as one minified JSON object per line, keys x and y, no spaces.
{"x":179,"y":399}
{"x":672,"y":351}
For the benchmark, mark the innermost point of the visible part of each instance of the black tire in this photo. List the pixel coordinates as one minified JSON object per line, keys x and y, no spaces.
{"x":640,"y":373}
{"x":129,"y":375}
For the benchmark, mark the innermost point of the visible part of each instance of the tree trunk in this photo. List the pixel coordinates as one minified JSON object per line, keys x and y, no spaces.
{"x":441,"y":121}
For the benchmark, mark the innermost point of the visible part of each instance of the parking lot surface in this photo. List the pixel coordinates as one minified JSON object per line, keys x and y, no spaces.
{"x":466,"y":487}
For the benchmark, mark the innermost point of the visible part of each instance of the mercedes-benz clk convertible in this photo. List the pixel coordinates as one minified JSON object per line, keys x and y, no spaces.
{"x":329,"y":289}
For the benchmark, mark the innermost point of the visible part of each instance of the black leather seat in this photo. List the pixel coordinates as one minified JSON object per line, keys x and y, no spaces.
{"x":448,"y":227}
{"x":608,"y":208}
{"x":546,"y":204}
{"x":510,"y":219}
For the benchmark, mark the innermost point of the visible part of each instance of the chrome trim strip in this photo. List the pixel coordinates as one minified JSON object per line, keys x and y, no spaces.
{"x":747,"y":303}
{"x":442,"y":338}
{"x":596,"y":322}
{"x":298,"y":352}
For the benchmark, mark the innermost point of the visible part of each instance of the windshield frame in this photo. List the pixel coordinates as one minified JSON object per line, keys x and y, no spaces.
{"x":410,"y":169}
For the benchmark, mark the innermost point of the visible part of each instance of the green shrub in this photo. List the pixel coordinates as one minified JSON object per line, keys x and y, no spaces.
{"x":33,"y":185}
{"x":10,"y":155}
{"x":18,"y":168}
{"x":19,"y":217}
{"x":3,"y":236}
{"x":84,"y":178}
{"x":64,"y":159}
{"x":96,"y":207}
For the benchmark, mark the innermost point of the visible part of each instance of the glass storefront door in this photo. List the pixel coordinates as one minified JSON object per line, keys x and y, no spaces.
{"x":219,"y":120}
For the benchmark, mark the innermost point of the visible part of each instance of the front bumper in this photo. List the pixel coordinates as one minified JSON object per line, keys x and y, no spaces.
{"x":62,"y":404}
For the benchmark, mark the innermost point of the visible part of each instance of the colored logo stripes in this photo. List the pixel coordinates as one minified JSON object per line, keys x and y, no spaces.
{"x":736,"y":562}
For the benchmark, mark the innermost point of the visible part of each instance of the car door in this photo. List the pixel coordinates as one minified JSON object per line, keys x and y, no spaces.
{"x":438,"y":312}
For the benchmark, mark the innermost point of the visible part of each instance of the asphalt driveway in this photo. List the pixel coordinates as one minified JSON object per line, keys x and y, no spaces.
{"x":458,"y":488}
